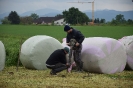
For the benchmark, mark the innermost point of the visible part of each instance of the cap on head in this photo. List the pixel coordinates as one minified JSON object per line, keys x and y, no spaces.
{"x":66,"y":49}
{"x":66,"y":28}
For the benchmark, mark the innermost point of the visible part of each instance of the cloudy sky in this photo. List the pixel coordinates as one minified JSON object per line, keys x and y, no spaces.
{"x":22,"y":6}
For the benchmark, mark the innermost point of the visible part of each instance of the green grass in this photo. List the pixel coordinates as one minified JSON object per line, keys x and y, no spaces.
{"x":57,"y":31}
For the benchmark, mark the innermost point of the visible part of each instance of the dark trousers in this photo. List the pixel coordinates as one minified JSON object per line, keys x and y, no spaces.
{"x":57,"y":67}
{"x":77,"y":57}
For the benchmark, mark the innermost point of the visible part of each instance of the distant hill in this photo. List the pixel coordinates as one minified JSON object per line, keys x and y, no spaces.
{"x":108,"y":15}
{"x":42,"y":12}
{"x":52,"y":14}
{"x":4,"y":15}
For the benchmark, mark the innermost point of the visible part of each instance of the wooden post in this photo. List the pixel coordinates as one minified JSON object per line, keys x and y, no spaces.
{"x":19,"y":54}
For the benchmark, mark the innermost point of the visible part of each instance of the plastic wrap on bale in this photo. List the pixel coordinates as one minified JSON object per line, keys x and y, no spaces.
{"x":127,"y":41}
{"x":2,"y":56}
{"x":36,"y":50}
{"x":103,"y":55}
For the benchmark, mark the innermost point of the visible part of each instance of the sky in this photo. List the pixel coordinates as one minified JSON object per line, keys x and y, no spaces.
{"x":21,"y":6}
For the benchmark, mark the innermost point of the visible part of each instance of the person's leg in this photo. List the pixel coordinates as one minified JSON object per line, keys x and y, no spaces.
{"x":59,"y":67}
{"x":70,"y":56}
{"x":75,"y":59}
{"x":78,"y":58}
{"x":52,"y":67}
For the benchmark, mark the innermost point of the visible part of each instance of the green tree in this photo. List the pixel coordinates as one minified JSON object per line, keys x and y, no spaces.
{"x":83,"y":18}
{"x":14,"y":17}
{"x":98,"y":20}
{"x":5,"y":21}
{"x":102,"y":21}
{"x":120,"y":18}
{"x":26,"y":20}
{"x":74,"y":16}
{"x":34,"y":16}
{"x":129,"y":21}
{"x":114,"y":22}
{"x":95,"y":21}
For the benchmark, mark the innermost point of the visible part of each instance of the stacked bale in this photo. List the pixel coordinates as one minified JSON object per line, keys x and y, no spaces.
{"x":103,"y":55}
{"x":2,"y":56}
{"x":36,"y":50}
{"x":127,"y":41}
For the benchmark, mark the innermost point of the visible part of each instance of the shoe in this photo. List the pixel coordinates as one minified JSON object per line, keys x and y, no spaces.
{"x":52,"y":73}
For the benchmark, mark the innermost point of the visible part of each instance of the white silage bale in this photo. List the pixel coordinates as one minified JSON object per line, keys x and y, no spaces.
{"x":103,"y":55}
{"x":127,"y":41}
{"x":36,"y":50}
{"x":64,"y":43}
{"x":2,"y":56}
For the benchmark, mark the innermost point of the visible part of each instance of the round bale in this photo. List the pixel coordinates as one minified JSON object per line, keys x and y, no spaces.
{"x":103,"y":55}
{"x":36,"y":50}
{"x":2,"y":56}
{"x":127,"y":41}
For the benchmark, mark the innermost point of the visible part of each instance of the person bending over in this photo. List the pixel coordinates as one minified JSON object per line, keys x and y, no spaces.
{"x":57,"y":61}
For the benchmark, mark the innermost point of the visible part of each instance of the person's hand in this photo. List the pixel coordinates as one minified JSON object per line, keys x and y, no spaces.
{"x":77,"y":44}
{"x":68,"y":44}
{"x":68,"y":65}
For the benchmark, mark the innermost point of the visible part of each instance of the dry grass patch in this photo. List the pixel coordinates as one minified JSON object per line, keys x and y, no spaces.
{"x":26,"y":78}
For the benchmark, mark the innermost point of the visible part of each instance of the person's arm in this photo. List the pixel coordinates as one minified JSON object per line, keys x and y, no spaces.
{"x":81,"y":37}
{"x":63,"y":58}
{"x":67,"y":40}
{"x":64,"y":61}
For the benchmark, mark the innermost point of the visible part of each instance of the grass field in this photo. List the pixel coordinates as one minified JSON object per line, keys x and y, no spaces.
{"x":58,"y":33}
{"x":11,"y":36}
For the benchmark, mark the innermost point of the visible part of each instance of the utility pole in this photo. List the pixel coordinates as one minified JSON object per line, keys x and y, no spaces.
{"x":93,"y":11}
{"x":92,"y":8}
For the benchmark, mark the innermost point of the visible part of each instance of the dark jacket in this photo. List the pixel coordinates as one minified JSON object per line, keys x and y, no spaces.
{"x":75,"y":34}
{"x":58,"y":56}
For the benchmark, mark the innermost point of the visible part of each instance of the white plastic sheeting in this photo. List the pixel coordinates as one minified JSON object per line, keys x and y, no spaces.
{"x":36,"y":50}
{"x":64,"y":43}
{"x":127,"y":41}
{"x":103,"y":55}
{"x":2,"y":56}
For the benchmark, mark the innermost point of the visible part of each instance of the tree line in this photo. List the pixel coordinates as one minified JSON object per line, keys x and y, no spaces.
{"x":14,"y":18}
{"x":72,"y":16}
